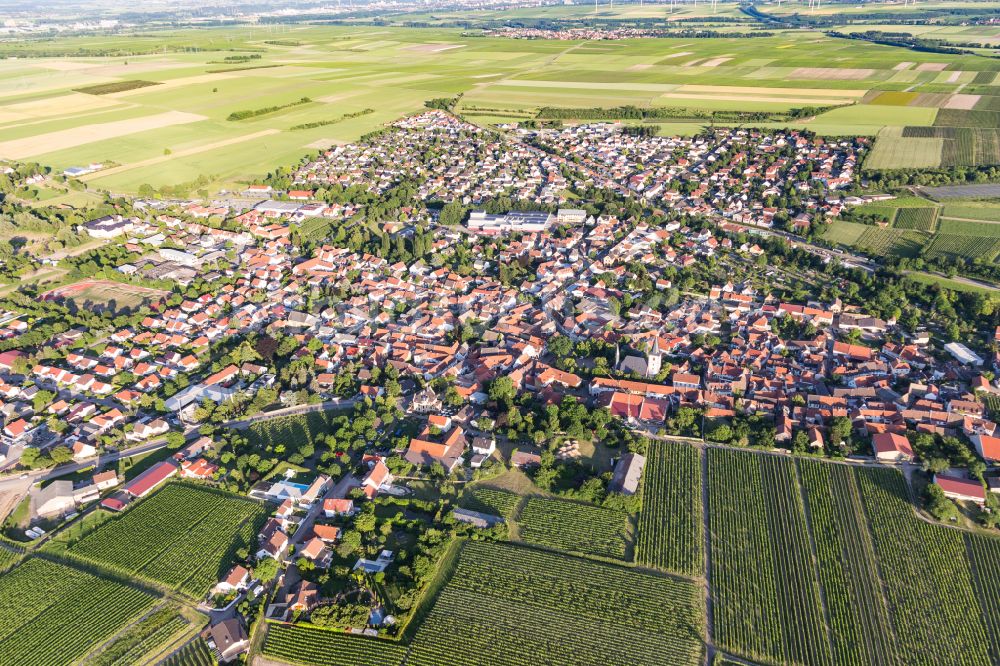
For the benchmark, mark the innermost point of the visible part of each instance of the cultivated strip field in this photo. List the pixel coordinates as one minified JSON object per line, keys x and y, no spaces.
{"x":296,"y":644}
{"x":671,"y":522}
{"x":51,"y":614}
{"x":766,"y":602}
{"x":821,"y":563}
{"x":576,"y":527}
{"x":180,"y":536}
{"x":509,"y":605}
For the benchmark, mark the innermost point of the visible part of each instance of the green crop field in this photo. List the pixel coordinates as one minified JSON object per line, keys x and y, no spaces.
{"x":820,"y":563}
{"x":574,"y":526}
{"x":880,"y":242}
{"x":173,"y":131}
{"x":55,"y":614}
{"x":989,"y":212}
{"x":291,"y":431}
{"x":840,"y":232}
{"x":919,"y":219}
{"x":309,"y":646}
{"x":180,"y":536}
{"x":926,"y":575}
{"x":195,"y":653}
{"x":860,"y":631}
{"x":965,"y":227}
{"x":893,"y":151}
{"x":491,"y":500}
{"x":144,"y":636}
{"x":765,"y":593}
{"x":507,"y":605}
{"x":957,"y":246}
{"x":671,"y":522}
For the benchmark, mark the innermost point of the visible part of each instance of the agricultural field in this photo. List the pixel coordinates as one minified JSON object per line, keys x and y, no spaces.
{"x":972,"y":210}
{"x":860,"y":631}
{"x":916,"y":219}
{"x":291,"y":431}
{"x":310,"y":646}
{"x":959,"y":246}
{"x":506,"y":605}
{"x":161,"y":116}
{"x":765,"y":595}
{"x":195,"y":653}
{"x":984,"y":555}
{"x":8,"y":558}
{"x":492,"y":500}
{"x":882,"y":242}
{"x":927,"y":578}
{"x":141,"y":638}
{"x":890,"y":588}
{"x":671,"y":533}
{"x":54,"y":614}
{"x":576,"y":527}
{"x":895,"y":150}
{"x":840,"y":232}
{"x":181,"y":537}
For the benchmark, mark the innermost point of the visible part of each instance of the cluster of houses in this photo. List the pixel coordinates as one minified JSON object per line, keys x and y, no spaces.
{"x":564,"y":34}
{"x":727,"y":173}
{"x":449,"y":159}
{"x":410,"y":316}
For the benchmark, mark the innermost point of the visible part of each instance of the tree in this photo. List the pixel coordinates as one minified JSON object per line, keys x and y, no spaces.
{"x":61,"y":454}
{"x":266,"y":570}
{"x":502,"y":391}
{"x":940,"y":506}
{"x":42,"y":400}
{"x":365,"y":523}
{"x":175,"y":440}
{"x":560,"y":346}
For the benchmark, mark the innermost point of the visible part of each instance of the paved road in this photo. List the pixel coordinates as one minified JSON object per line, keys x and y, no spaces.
{"x":14,"y":481}
{"x":338,"y":403}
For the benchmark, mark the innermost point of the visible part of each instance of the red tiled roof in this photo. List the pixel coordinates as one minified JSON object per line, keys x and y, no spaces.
{"x":889,"y":442}
{"x":151,"y":478}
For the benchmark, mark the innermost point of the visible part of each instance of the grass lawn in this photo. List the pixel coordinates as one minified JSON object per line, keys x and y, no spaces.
{"x":948,"y":283}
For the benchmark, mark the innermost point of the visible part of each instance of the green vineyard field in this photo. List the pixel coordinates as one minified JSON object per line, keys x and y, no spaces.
{"x":671,"y":524}
{"x":180,"y":536}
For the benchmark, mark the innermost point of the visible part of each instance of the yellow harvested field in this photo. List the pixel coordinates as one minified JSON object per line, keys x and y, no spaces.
{"x":179,"y":83}
{"x":931,"y":66}
{"x":588,"y":85}
{"x":135,"y":67}
{"x":433,"y":48}
{"x":71,"y":104}
{"x":963,"y":102}
{"x":903,"y":65}
{"x":677,"y":55}
{"x":78,"y":136}
{"x":63,"y":65}
{"x":178,"y":153}
{"x":756,"y":98}
{"x":635,"y":68}
{"x":715,"y":62}
{"x":781,"y":92}
{"x":831,"y":73}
